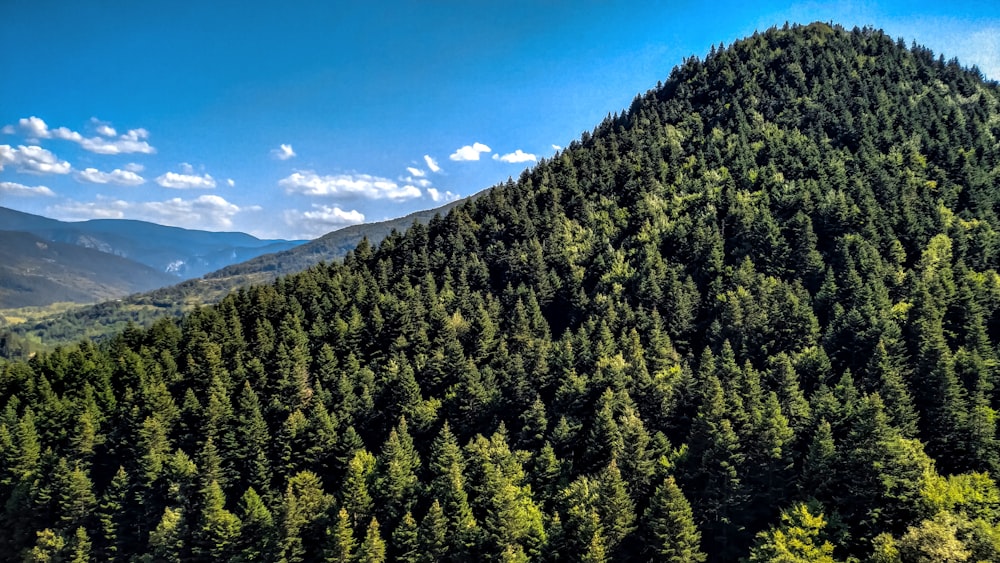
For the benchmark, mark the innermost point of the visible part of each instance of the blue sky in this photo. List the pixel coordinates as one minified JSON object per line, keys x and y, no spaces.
{"x":293,"y":119}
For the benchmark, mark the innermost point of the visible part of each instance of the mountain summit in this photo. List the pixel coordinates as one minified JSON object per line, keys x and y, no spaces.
{"x":754,"y":317}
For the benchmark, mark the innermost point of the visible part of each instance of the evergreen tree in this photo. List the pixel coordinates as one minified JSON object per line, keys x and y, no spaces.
{"x":341,"y":542}
{"x":257,"y":534}
{"x":668,"y":527}
{"x":372,"y":549}
{"x":799,"y":538}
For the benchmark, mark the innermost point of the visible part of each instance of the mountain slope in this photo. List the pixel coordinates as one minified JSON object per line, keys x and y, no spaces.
{"x":34,"y":272}
{"x":185,"y":253}
{"x":754,"y":317}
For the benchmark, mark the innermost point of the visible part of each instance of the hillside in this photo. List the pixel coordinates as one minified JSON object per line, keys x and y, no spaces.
{"x":34,"y":272}
{"x":102,"y":320}
{"x":754,"y":317}
{"x":184,"y":253}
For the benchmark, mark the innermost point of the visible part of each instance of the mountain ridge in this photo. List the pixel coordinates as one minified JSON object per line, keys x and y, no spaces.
{"x":186,"y":253}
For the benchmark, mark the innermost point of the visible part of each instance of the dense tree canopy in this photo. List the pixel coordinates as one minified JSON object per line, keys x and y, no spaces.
{"x":754,"y":316}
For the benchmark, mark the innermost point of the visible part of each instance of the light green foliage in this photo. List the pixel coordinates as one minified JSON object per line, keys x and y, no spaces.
{"x":798,"y":539}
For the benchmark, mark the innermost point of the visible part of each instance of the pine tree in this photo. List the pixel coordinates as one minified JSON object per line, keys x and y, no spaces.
{"x":304,"y":508}
{"x":166,"y":541}
{"x":112,"y":515}
{"x":395,"y":475}
{"x":257,"y":534}
{"x":405,"y":540}
{"x":433,"y":536}
{"x":251,"y":451}
{"x":354,"y":495}
{"x":668,"y":529}
{"x":615,"y":507}
{"x":81,"y":546}
{"x":799,"y":538}
{"x":219,"y":532}
{"x":341,"y":544}
{"x":372,"y":549}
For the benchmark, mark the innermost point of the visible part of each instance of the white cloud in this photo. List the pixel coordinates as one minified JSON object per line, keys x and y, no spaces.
{"x":322,"y":219}
{"x":116,"y":176}
{"x":516,"y":156}
{"x":177,"y":181}
{"x":204,"y":212}
{"x":431,"y":163}
{"x":15,"y":189}
{"x":7,"y":130}
{"x":134,"y":167}
{"x":186,"y":168}
{"x":230,"y":182}
{"x":106,"y":130}
{"x":363,"y":185}
{"x":131,"y":142}
{"x":103,"y":208}
{"x":33,"y":160}
{"x":469,"y":152}
{"x":556,"y":148}
{"x":284,"y":152}
{"x":420,"y":182}
{"x":439,"y":196}
{"x":415,"y":172}
{"x":34,"y":127}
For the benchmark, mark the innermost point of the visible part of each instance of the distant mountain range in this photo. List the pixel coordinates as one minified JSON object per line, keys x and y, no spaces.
{"x":37,"y":272}
{"x":183,"y":253}
{"x":108,"y":317}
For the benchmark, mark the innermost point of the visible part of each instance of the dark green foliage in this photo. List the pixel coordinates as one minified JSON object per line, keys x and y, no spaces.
{"x":754,"y":316}
{"x":668,"y":529}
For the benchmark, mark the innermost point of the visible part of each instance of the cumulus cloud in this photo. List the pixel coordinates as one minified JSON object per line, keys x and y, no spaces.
{"x":322,"y":219}
{"x":179,"y":181}
{"x":415,"y":172}
{"x":439,"y":196}
{"x":516,"y":156}
{"x":7,"y":130}
{"x":204,"y":212}
{"x":431,"y":163}
{"x":116,"y":176}
{"x":34,"y":127}
{"x":469,"y":152}
{"x":134,"y":167}
{"x":134,"y":141}
{"x":131,"y":142}
{"x":284,"y":152}
{"x":556,"y":148}
{"x":361,"y":185}
{"x":33,"y":160}
{"x":15,"y":189}
{"x":230,"y":182}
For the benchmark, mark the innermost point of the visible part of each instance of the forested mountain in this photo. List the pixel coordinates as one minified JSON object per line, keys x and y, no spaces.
{"x":34,"y":272}
{"x":183,"y":253}
{"x":754,"y":316}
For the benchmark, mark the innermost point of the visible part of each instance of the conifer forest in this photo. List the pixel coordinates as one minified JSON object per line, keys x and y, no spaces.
{"x":753,"y":317}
